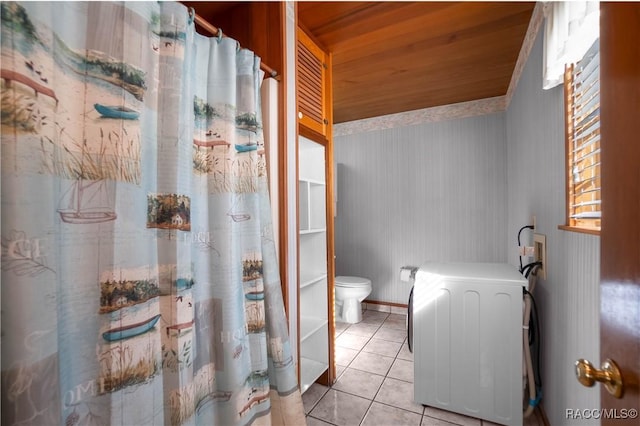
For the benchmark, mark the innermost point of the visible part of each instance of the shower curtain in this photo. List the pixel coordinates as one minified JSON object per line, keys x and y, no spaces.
{"x":139,"y":277}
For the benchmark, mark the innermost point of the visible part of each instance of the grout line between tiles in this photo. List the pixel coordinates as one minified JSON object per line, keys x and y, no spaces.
{"x":318,"y":401}
{"x":422,"y":415}
{"x":322,"y":420}
{"x":395,"y":357}
{"x":385,"y":376}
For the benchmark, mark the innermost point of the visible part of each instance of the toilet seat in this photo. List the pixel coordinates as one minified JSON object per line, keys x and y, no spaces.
{"x":352,"y":282}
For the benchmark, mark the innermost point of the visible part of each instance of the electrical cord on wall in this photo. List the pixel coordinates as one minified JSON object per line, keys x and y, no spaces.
{"x":529,"y":268}
{"x":410,"y":322}
{"x":534,"y":340}
{"x":520,"y":232}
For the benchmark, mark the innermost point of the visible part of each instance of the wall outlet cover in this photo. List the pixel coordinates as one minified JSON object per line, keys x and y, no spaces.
{"x":540,"y":253}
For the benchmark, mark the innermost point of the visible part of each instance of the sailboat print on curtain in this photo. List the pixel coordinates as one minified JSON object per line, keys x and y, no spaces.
{"x":106,"y":151}
{"x":87,"y":201}
{"x":100,"y":149}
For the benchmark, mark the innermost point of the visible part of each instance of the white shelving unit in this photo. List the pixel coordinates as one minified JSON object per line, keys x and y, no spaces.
{"x":313,"y":285}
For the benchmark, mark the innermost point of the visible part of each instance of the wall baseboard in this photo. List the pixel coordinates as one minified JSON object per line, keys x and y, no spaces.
{"x":388,"y":307}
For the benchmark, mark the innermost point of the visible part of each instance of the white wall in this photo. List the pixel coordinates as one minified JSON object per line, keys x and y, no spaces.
{"x":428,"y":192}
{"x":569,"y":299}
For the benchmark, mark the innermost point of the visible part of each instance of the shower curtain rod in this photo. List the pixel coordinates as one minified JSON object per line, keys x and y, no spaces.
{"x":214,"y":31}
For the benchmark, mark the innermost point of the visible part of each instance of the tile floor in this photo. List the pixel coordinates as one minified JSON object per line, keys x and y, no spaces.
{"x":375,"y":381}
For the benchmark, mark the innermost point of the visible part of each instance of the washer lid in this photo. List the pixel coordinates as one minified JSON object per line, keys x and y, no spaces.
{"x":496,"y":273}
{"x":346,"y":281}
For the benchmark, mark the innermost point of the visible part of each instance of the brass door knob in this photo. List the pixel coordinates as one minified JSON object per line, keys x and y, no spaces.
{"x":609,"y":374}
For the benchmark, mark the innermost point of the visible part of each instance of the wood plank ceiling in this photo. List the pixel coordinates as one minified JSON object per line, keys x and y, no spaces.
{"x":391,"y":57}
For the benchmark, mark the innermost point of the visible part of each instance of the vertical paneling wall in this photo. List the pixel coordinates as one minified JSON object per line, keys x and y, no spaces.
{"x":569,"y":299}
{"x":428,"y":192}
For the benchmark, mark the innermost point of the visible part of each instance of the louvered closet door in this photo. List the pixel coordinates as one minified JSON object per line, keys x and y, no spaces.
{"x":312,"y":108}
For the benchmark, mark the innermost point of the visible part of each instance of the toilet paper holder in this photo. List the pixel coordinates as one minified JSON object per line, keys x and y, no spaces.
{"x":411,"y":269}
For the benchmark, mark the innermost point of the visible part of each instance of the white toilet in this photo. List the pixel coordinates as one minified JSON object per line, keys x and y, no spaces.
{"x":350,"y":292}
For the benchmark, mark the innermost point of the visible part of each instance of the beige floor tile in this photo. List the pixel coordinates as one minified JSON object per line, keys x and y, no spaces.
{"x":363,"y":329}
{"x":312,"y":421}
{"x":372,"y":363}
{"x":373,"y":321}
{"x":380,"y":414}
{"x":371,"y":314}
{"x":405,"y":353}
{"x":451,"y":417}
{"x":344,"y":356}
{"x":395,"y":325}
{"x":402,"y":370}
{"x":398,"y":393}
{"x":391,"y":334}
{"x":430,"y":421}
{"x":311,"y":397}
{"x":382,"y":347}
{"x":341,"y":326}
{"x":396,"y":321}
{"x":340,"y":408}
{"x":339,"y":370}
{"x":359,"y":383}
{"x":374,"y":307}
{"x":351,"y":341}
{"x":397,"y":317}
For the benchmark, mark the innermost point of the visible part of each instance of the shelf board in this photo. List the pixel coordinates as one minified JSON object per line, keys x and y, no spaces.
{"x":310,"y":370}
{"x":311,"y":325}
{"x":310,"y":279}
{"x":311,"y":181}
{"x":312,"y":231}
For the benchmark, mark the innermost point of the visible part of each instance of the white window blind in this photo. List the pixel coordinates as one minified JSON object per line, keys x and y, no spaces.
{"x":582,"y":107}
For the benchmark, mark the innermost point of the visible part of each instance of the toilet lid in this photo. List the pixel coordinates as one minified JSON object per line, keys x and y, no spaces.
{"x":344,"y":281}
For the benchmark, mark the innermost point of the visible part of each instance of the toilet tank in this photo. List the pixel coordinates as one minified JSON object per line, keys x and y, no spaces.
{"x":468,"y":339}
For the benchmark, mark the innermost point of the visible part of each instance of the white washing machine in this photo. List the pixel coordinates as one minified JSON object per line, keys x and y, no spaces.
{"x":467,"y":339}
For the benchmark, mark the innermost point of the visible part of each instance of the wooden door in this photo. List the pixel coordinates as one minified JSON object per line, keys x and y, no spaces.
{"x":620,"y":234}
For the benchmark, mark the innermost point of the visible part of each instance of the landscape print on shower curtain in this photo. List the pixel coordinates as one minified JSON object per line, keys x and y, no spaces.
{"x":106,"y":306}
{"x":136,"y":268}
{"x":72,"y":107}
{"x":228,"y":143}
{"x":228,"y":164}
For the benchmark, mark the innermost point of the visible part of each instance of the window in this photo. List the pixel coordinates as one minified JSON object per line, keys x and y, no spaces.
{"x":571,"y":44}
{"x":582,"y":119}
